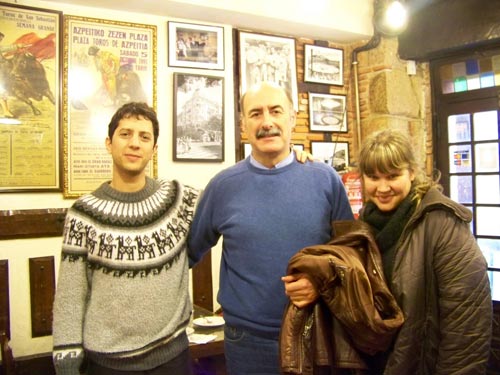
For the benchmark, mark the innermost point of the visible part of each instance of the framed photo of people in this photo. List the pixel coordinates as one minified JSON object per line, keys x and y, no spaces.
{"x":323,"y":65}
{"x":108,"y":63}
{"x":268,"y":58}
{"x":195,"y":46}
{"x":30,"y":108}
{"x":198,"y":118}
{"x":327,"y":113}
{"x":335,"y":154}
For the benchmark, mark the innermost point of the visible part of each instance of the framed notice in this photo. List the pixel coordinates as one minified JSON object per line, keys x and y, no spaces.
{"x":198,"y":118}
{"x":107,"y":64}
{"x":30,"y":108}
{"x":268,"y":58}
{"x":195,"y":46}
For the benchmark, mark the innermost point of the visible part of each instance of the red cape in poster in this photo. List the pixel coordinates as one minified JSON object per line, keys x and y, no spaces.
{"x":41,"y":48}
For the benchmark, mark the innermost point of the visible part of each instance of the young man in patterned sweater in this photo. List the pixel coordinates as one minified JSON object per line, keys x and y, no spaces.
{"x":122,"y":301}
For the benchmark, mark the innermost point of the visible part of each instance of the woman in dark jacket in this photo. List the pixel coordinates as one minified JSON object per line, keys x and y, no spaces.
{"x":432,"y":264}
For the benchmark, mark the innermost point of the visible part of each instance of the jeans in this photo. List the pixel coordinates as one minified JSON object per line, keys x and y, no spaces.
{"x":180,"y":365}
{"x":247,"y":354}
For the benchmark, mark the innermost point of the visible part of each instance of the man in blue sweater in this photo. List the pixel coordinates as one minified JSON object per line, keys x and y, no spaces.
{"x":266,"y":208}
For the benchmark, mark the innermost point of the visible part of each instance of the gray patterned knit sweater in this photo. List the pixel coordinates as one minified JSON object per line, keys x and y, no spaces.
{"x":122,"y":295}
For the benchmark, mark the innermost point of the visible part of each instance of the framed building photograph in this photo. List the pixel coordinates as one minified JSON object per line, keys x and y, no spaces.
{"x":198,"y":133}
{"x":30,"y":105}
{"x":327,"y":113}
{"x":109,"y":63}
{"x":195,"y":46}
{"x":335,"y":154}
{"x":323,"y":65}
{"x":268,"y":58}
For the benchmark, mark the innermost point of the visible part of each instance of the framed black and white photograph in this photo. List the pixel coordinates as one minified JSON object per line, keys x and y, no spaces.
{"x":327,"y":113}
{"x":323,"y":65}
{"x":198,"y":133}
{"x":268,"y":58}
{"x":335,"y":154}
{"x":195,"y":46}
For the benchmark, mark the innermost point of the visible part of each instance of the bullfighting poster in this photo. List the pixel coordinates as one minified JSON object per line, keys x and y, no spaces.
{"x":106,"y":64}
{"x":30,"y":85}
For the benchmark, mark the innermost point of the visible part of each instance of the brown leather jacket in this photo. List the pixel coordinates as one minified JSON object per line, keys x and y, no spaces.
{"x":355,"y":313}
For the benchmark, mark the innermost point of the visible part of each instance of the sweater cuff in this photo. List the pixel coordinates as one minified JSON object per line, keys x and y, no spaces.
{"x":68,"y":360}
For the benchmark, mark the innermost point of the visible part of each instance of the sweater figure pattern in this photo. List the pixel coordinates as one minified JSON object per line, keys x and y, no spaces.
{"x":124,"y":265}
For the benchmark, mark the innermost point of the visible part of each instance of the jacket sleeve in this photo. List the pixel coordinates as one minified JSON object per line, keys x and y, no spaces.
{"x":70,"y":300}
{"x":464,"y":299}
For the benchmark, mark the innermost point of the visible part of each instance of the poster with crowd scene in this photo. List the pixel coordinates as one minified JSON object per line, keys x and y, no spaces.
{"x":30,"y":80}
{"x":107,"y":64}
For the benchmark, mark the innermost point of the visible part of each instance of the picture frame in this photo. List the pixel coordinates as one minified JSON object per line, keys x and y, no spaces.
{"x":327,"y":113}
{"x":198,"y":118}
{"x":323,"y":65}
{"x":335,"y":154}
{"x":195,"y":46}
{"x":266,"y":57}
{"x":247,"y":149}
{"x":30,"y":114}
{"x":108,"y":63}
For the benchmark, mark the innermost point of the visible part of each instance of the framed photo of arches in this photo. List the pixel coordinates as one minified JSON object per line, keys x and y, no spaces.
{"x":323,"y":65}
{"x":327,"y":113}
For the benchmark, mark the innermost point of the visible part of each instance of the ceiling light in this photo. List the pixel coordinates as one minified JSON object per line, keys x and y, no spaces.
{"x":390,"y":17}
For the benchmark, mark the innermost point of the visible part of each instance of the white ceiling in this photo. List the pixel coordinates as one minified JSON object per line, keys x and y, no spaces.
{"x":333,"y":20}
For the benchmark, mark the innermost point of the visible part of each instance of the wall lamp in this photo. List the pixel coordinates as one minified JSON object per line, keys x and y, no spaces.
{"x":390,"y":18}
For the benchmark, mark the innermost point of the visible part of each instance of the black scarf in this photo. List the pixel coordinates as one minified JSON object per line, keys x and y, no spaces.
{"x":389,"y":226}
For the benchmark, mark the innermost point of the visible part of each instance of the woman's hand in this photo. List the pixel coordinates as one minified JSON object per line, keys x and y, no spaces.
{"x":300,"y":290}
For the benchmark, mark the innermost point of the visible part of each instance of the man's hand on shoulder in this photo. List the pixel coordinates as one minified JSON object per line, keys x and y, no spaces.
{"x":303,"y":156}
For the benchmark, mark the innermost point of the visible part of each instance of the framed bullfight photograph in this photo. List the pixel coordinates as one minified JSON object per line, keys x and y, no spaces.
{"x":198,"y":118}
{"x":30,"y":92}
{"x":323,"y":65}
{"x":335,"y":154}
{"x":327,"y":113}
{"x":108,"y":63}
{"x":268,"y":58}
{"x":195,"y":46}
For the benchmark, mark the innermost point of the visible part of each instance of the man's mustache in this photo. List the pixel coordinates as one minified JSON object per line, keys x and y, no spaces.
{"x":268,"y":132}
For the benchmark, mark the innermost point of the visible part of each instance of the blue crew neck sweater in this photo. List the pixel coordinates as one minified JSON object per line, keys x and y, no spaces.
{"x":264,"y":218}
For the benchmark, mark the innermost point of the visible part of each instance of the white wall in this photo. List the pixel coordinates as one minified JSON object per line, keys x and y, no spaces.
{"x":336,"y":20}
{"x":18,"y":252}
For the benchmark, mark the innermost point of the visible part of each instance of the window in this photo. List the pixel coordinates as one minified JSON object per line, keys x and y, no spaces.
{"x":467,"y":144}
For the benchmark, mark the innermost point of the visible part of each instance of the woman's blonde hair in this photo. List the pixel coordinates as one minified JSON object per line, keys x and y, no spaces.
{"x":389,"y":150}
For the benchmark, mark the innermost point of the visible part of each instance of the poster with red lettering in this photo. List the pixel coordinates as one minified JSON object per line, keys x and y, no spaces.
{"x":30,"y":112}
{"x":107,"y":64}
